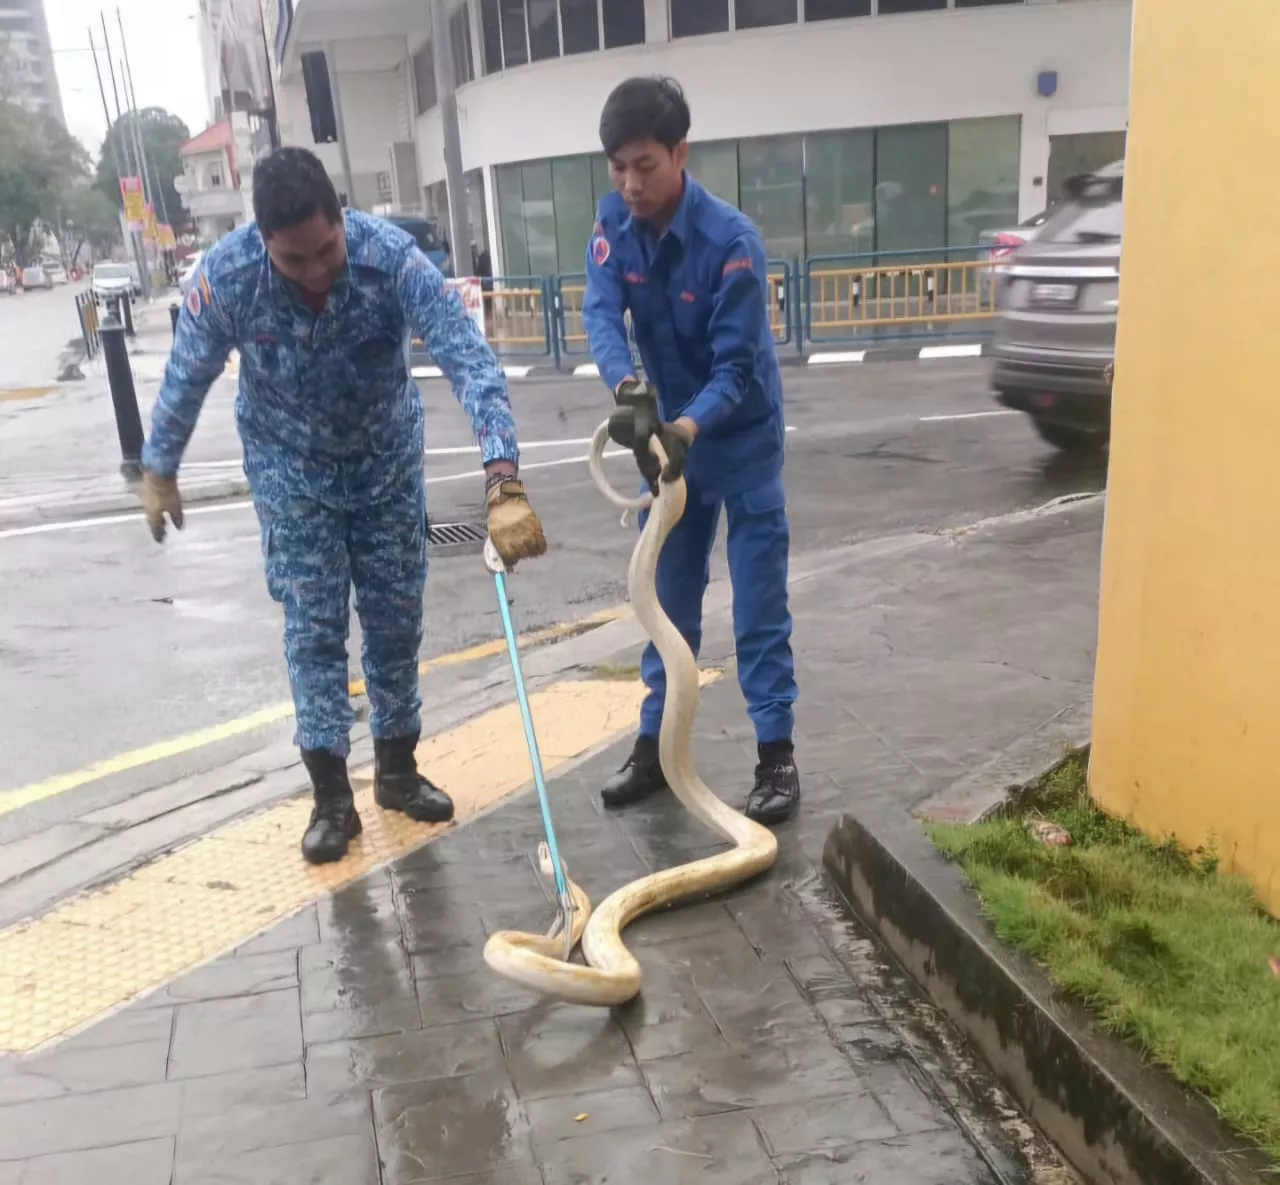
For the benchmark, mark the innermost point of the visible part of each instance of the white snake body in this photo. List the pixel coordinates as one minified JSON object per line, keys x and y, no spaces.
{"x":611,"y":975}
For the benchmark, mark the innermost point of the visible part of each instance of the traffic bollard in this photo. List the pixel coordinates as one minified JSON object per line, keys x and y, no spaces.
{"x":174,"y":310}
{"x":127,"y":304}
{"x":124,"y":398}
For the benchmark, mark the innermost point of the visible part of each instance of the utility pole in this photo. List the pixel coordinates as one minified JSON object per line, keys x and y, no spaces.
{"x":156,"y":190}
{"x":455,"y":182}
{"x":116,"y":150}
{"x":139,"y":255}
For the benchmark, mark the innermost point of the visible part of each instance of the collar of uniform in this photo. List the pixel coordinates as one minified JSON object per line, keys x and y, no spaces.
{"x":678,"y":227}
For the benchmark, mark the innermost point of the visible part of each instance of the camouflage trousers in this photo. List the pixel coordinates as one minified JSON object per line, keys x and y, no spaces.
{"x":318,"y":544}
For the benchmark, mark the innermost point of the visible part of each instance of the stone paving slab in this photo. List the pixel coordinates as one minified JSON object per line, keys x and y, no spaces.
{"x":363,"y":1040}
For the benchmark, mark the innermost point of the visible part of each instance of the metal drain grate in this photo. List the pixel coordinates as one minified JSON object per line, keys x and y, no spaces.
{"x":455,"y":537}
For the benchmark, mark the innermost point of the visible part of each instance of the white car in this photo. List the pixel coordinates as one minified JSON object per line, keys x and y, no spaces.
{"x":111,"y":281}
{"x":56,"y":272}
{"x":34,"y":276}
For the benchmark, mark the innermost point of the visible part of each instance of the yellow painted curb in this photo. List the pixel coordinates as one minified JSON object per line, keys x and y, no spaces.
{"x":17,"y":394}
{"x":90,"y":955}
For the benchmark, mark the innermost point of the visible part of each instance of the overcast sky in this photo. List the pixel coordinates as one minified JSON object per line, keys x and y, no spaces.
{"x":164,"y":51}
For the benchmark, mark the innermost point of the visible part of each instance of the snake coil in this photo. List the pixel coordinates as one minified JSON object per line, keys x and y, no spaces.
{"x":611,"y":975}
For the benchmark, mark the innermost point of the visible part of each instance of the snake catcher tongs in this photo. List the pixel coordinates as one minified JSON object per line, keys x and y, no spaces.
{"x":549,"y":862}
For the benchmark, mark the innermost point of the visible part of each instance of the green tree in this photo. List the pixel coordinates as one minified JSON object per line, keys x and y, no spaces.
{"x":39,"y":162}
{"x":162,"y":136}
{"x":88,"y":216}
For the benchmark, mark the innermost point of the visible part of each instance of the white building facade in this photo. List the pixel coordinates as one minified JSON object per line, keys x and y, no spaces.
{"x":843,"y":127}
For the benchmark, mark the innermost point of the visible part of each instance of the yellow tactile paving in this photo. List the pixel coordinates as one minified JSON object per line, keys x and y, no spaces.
{"x":90,"y":955}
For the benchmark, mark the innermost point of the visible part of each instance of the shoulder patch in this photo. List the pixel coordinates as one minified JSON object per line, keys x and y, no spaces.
{"x":737,"y":265}
{"x":195,"y":304}
{"x":600,"y":250}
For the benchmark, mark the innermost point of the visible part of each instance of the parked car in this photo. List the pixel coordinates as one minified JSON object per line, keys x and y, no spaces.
{"x":111,"y":281}
{"x":34,"y":276}
{"x":433,"y":244}
{"x":56,"y":272}
{"x":135,"y":280}
{"x":1054,"y":351}
{"x":997,"y":247}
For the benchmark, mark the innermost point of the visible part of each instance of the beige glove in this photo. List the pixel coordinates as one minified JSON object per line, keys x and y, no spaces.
{"x":513,"y":526}
{"x":160,"y":497}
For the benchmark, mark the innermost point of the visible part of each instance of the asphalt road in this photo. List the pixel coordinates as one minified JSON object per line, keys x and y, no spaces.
{"x":109,"y":643}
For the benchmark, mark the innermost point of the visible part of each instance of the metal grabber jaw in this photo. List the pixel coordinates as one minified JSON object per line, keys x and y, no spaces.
{"x":549,"y":862}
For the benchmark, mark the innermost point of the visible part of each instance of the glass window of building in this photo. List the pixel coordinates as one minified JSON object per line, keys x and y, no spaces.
{"x":771,"y":188}
{"x":761,"y":14}
{"x":623,"y":23}
{"x":575,"y":211}
{"x":714,"y":164}
{"x":888,"y":6}
{"x":835,"y":10}
{"x":839,"y":184}
{"x":580,"y":25}
{"x":515,"y":33}
{"x":424,"y":80}
{"x":911,"y":187}
{"x":601,"y":182}
{"x":515,"y":246}
{"x":982,"y":177}
{"x":491,"y":35}
{"x":460,"y":44}
{"x":694,"y":18}
{"x":539,"y":217}
{"x":1083,"y":152}
{"x":544,"y":30}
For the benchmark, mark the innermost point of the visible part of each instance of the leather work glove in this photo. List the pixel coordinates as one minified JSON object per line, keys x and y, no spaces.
{"x":160,"y":496}
{"x":634,"y":422}
{"x":513,"y":526}
{"x":633,"y":428}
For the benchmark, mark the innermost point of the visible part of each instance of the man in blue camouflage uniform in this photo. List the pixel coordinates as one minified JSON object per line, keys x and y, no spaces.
{"x":691,"y":271}
{"x":320,"y":304}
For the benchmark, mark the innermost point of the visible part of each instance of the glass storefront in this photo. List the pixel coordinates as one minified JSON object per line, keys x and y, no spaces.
{"x":916,"y":187}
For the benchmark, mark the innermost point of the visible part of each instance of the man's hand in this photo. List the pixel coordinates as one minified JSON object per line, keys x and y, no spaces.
{"x":160,"y":497}
{"x":513,"y":526}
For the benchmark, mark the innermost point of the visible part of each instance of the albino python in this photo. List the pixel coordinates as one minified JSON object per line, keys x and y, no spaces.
{"x":611,"y":975}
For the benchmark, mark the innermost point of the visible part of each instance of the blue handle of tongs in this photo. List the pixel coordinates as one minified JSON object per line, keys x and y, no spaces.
{"x":562,"y":888}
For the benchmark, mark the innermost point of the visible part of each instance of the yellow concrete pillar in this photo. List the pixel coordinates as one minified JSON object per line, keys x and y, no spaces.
{"x":1187,"y":704}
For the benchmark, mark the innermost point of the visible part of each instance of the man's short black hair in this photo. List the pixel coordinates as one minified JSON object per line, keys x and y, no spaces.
{"x":644,"y":109}
{"x":290,"y":186}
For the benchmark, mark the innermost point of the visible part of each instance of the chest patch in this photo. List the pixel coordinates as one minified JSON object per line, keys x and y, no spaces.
{"x":600,"y":250}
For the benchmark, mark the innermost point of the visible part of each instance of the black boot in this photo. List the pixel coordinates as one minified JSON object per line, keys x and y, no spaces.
{"x":334,"y":822}
{"x":398,"y":786}
{"x":639,"y":778}
{"x":776,"y":794}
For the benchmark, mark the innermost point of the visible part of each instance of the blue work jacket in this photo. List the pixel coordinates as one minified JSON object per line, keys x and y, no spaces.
{"x":326,"y":399}
{"x":698,"y":299}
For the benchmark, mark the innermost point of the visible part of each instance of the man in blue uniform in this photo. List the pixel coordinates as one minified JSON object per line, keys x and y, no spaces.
{"x":320,"y":304}
{"x":691,"y":271}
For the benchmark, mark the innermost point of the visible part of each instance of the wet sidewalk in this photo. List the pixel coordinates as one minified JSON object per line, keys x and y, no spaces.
{"x":363,"y":1040}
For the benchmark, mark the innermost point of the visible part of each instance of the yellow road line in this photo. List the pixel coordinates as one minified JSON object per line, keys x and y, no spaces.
{"x":92,"y":954}
{"x":15,"y":394}
{"x":12,"y":800}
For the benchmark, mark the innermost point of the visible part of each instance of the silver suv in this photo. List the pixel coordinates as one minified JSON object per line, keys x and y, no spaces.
{"x":1055,"y":345}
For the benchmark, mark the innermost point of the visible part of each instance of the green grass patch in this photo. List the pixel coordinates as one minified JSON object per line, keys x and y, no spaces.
{"x":1165,"y":949}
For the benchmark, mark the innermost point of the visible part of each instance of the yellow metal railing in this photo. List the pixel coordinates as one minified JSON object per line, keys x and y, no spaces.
{"x":842,"y":298}
{"x":575,"y":333}
{"x":515,"y":315}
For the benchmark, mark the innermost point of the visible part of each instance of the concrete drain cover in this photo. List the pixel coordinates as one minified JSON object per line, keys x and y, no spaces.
{"x":449,"y":538}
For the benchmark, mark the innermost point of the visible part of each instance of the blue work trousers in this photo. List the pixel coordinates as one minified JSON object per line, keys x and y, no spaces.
{"x":316,"y":547}
{"x":759,"y":544}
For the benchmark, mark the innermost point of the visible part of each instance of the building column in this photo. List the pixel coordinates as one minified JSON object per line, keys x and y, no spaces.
{"x":657,"y":21}
{"x":491,"y":213}
{"x":1033,"y":158}
{"x":447,"y":98}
